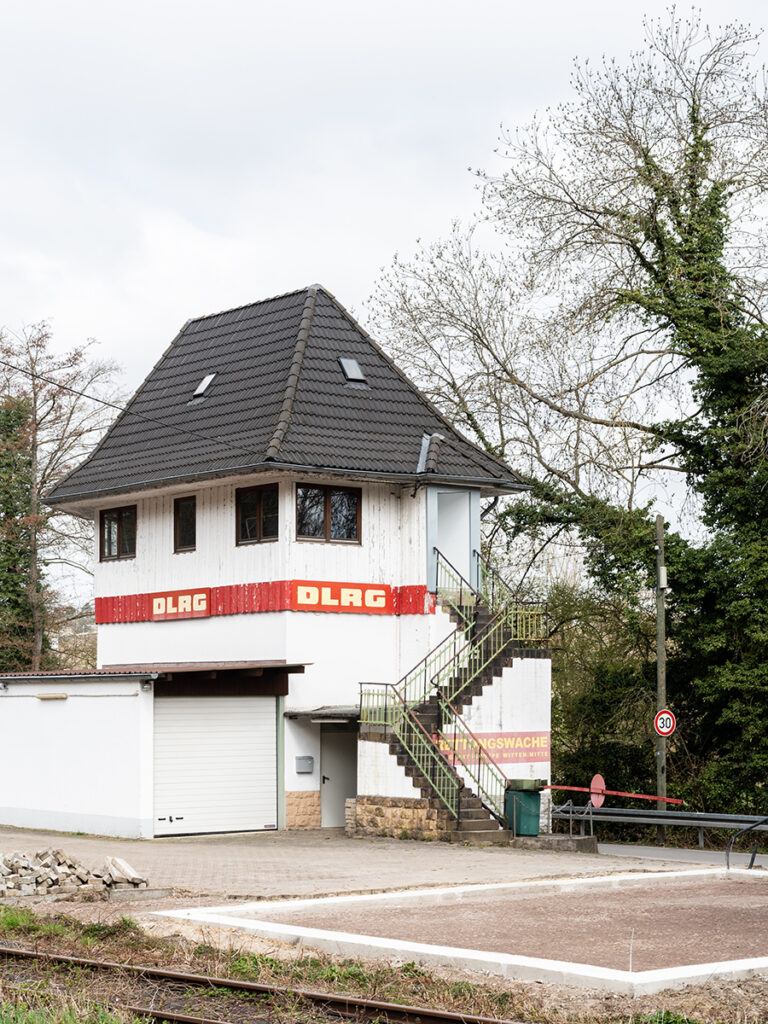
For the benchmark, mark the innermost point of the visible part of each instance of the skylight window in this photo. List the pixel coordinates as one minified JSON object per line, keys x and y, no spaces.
{"x":351,"y":370}
{"x":203,"y":386}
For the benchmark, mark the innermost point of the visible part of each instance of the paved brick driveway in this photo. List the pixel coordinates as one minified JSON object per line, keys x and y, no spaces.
{"x":318,"y":862}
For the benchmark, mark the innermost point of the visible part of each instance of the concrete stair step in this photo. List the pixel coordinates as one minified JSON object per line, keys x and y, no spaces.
{"x":486,"y":824}
{"x":473,"y":810}
{"x":501,"y":837}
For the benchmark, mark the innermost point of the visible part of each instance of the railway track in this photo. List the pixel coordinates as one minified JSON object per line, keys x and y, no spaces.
{"x":347,"y":1007}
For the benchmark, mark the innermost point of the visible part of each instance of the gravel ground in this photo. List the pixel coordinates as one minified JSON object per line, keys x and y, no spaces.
{"x":640,"y":928}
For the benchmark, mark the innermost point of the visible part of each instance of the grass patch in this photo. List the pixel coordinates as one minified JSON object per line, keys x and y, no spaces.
{"x":664,"y":1017}
{"x":408,"y":983}
{"x":18,"y":921}
{"x":125,"y":928}
{"x":56,"y":1011}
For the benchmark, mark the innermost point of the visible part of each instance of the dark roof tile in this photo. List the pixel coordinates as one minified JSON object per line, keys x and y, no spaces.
{"x":279,"y":399}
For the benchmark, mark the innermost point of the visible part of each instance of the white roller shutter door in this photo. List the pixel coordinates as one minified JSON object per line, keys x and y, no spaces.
{"x":215,"y":764}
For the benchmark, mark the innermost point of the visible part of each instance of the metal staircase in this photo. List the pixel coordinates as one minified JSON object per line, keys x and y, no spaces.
{"x":420,"y":716}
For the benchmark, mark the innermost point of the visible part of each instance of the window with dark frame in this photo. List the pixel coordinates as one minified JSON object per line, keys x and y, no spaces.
{"x":117,"y":531}
{"x":257,"y":514}
{"x":185,"y":524}
{"x":328,"y":513}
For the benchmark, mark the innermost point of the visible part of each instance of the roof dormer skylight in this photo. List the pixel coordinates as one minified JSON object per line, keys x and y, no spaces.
{"x":351,"y":370}
{"x":203,"y":386}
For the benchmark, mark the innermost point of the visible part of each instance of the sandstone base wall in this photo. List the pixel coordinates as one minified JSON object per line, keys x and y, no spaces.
{"x":302,"y":809}
{"x":399,"y":817}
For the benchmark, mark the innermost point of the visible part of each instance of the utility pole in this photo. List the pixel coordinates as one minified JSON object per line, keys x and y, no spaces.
{"x":661,"y":673}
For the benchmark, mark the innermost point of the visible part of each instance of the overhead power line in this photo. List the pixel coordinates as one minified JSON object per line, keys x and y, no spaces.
{"x":121,"y":408}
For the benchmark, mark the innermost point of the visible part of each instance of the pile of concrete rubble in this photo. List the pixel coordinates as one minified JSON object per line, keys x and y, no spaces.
{"x":52,"y":872}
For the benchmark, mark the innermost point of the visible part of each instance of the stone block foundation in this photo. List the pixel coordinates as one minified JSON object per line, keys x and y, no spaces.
{"x":399,"y":817}
{"x":302,"y":809}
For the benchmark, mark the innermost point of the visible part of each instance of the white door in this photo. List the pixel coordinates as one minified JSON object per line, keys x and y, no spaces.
{"x":338,"y":773}
{"x":453,"y":530}
{"x":215,"y":764}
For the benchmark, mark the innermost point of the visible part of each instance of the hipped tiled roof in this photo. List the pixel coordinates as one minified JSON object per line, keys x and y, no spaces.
{"x":279,"y":400}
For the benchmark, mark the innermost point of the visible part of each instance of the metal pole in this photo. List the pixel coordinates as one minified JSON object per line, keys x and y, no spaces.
{"x":661,"y":672}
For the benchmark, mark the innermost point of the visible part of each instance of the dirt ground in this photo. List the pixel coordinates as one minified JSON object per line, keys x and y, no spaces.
{"x":639,"y":928}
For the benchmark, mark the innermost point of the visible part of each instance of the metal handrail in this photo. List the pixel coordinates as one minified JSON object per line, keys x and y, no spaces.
{"x":391,"y":706}
{"x":424,"y":752}
{"x":647,"y":816}
{"x":498,"y":585}
{"x":743,"y":832}
{"x":451,"y":668}
{"x":498,"y":592}
{"x":418,"y":680}
{"x":474,"y":657}
{"x":453,"y":588}
{"x":694,"y":819}
{"x":490,"y":781}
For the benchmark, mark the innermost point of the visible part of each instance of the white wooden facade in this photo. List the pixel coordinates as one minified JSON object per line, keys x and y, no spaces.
{"x":393,"y":551}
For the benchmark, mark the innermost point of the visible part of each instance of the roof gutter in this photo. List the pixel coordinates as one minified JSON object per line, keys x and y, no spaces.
{"x":484,"y":483}
{"x":97,"y":676}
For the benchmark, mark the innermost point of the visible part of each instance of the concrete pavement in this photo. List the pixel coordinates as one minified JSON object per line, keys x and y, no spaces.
{"x":316,"y":862}
{"x":673,"y":854}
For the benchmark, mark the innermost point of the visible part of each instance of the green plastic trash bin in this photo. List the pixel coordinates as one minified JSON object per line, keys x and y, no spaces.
{"x":522,"y":806}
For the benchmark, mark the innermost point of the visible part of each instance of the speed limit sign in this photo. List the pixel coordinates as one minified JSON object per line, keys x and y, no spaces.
{"x":664,"y":723}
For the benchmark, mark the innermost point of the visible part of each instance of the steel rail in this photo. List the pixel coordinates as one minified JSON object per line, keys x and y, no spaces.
{"x":348,"y":1005}
{"x":755,"y":826}
{"x":165,"y":1015}
{"x":637,"y":816}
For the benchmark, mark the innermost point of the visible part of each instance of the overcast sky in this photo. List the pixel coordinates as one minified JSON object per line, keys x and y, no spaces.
{"x":168,"y":159}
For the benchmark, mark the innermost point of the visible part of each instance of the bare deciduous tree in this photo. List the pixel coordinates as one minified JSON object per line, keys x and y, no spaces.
{"x":558,"y":349}
{"x":64,"y":425}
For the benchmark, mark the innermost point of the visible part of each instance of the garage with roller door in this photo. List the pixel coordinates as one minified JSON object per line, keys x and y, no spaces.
{"x":215,"y":761}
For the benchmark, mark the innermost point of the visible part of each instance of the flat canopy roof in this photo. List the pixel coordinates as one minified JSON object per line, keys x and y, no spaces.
{"x":160,"y":669}
{"x":207,"y":666}
{"x":327,"y":713}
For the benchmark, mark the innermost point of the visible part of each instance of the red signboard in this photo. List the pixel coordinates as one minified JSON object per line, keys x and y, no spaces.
{"x":267,"y":596}
{"x":181,"y":604}
{"x":503,"y":747}
{"x":366,"y":598}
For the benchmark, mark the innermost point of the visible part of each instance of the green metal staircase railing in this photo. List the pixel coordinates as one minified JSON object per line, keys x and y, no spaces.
{"x":440,"y":679}
{"x":454,"y":591}
{"x":461,"y":747}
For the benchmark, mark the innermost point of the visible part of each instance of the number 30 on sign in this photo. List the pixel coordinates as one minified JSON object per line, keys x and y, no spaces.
{"x":664,"y":723}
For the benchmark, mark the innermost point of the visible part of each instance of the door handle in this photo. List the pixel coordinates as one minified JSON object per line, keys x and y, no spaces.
{"x":326,"y":778}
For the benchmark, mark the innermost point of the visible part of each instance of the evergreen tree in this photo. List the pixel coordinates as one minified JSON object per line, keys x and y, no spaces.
{"x":16,"y":625}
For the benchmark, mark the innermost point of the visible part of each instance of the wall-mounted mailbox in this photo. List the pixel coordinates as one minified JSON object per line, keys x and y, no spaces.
{"x":305,"y":764}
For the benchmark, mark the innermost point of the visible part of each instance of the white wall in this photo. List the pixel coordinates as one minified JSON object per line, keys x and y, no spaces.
{"x":258,"y":637}
{"x":379,"y":774}
{"x":301,"y":737}
{"x":83,"y":764}
{"x":518,"y":701}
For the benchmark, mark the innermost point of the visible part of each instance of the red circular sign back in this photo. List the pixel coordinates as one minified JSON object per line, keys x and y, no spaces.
{"x":597,"y":790}
{"x":665,"y":722}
